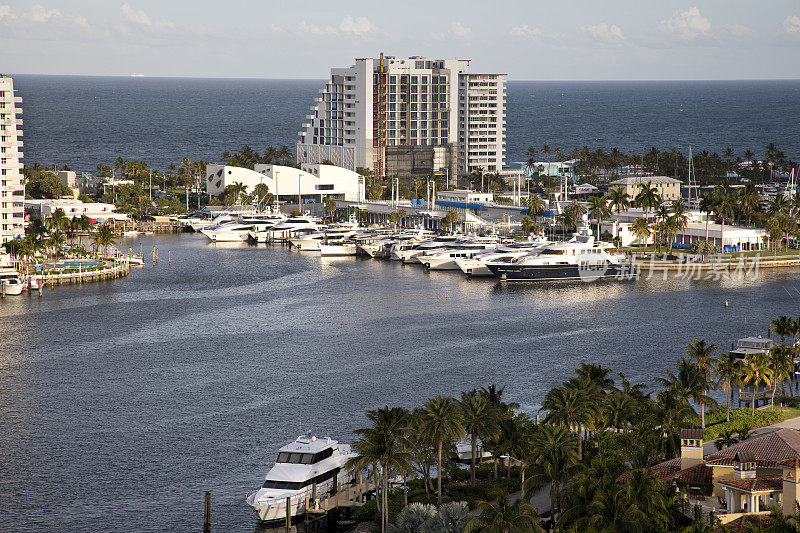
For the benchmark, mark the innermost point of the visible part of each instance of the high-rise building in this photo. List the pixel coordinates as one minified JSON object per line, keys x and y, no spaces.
{"x":11,"y":189}
{"x":408,"y":117}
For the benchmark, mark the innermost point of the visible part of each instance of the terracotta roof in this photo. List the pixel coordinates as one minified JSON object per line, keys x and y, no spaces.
{"x":794,"y":462}
{"x":757,"y":484}
{"x":663,"y":471}
{"x":771,"y":447}
{"x":744,"y":524}
{"x":693,"y":433}
{"x":696,"y":474}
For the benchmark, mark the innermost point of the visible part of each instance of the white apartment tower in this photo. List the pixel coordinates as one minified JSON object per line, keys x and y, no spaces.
{"x":11,"y":189}
{"x":410,"y":117}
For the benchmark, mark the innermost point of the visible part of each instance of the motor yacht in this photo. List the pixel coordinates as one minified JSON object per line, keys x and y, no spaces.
{"x":581,"y":257}
{"x":239,"y":229}
{"x":476,"y":266}
{"x":334,"y":233}
{"x":10,"y":281}
{"x":463,"y":452}
{"x":383,"y":247}
{"x":287,"y":228}
{"x":304,"y":471}
{"x":343,"y":248}
{"x":446,"y":259}
{"x":409,"y":255}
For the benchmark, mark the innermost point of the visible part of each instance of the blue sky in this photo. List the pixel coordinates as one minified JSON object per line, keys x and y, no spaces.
{"x":529,"y":40}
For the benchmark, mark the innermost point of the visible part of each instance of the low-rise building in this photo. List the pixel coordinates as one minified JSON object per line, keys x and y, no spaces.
{"x":312,"y":181}
{"x":465,"y":196}
{"x":97,"y":211}
{"x":668,"y":188}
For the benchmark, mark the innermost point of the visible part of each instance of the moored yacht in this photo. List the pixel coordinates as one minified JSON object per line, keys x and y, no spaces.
{"x":286,"y":229}
{"x":239,"y":229}
{"x":446,"y":259}
{"x":10,"y":281}
{"x":581,"y":257}
{"x":476,"y":266}
{"x":306,"y":465}
{"x":409,"y":255}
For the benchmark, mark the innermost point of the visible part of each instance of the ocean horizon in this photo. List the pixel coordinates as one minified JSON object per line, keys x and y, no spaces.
{"x":80,"y":121}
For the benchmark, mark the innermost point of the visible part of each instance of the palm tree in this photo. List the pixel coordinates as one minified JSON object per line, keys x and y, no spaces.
{"x":620,"y":201}
{"x":599,"y":209}
{"x":535,"y":205}
{"x":708,"y":203}
{"x":749,"y":199}
{"x":479,"y":418}
{"x":441,"y":416}
{"x":383,"y":444}
{"x":780,"y":365}
{"x":555,"y":460}
{"x":679,"y":219}
{"x":756,"y":371}
{"x":725,"y":208}
{"x":330,"y":206}
{"x":529,"y":226}
{"x":703,"y":355}
{"x":729,"y":369}
{"x":641,"y":229}
{"x":104,"y":237}
{"x":785,"y":327}
{"x":647,"y":198}
{"x":726,"y":438}
{"x":500,"y":516}
{"x":450,"y":219}
{"x":566,"y":406}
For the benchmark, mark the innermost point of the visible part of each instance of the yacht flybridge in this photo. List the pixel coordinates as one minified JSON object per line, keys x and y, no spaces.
{"x":581,"y":257}
{"x":239,"y":229}
{"x":304,"y":471}
{"x":475,"y":266}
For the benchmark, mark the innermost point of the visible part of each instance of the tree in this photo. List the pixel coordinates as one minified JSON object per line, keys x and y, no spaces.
{"x":535,"y":206}
{"x":756,"y":372}
{"x":729,"y":369}
{"x":647,"y":198}
{"x":749,"y":199}
{"x":441,"y":416}
{"x":780,"y":365}
{"x":785,"y":327}
{"x":479,"y":418}
{"x":260,"y":192}
{"x":703,"y":356}
{"x":725,"y":207}
{"x":529,"y":226}
{"x":567,"y":406}
{"x":555,"y":460}
{"x":500,"y":516}
{"x":330,"y":206}
{"x":599,"y":209}
{"x":382,"y":444}
{"x":620,"y":201}
{"x":104,"y":237}
{"x":641,"y":229}
{"x":450,"y":219}
{"x":708,"y":203}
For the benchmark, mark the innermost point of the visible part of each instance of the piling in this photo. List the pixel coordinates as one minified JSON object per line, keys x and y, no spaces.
{"x":207,"y":514}
{"x":169,"y":257}
{"x":2,"y":289}
{"x":288,"y":514}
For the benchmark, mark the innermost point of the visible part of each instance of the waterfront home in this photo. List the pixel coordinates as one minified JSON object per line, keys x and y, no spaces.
{"x":667,"y":188}
{"x":97,"y":211}
{"x":743,"y":479}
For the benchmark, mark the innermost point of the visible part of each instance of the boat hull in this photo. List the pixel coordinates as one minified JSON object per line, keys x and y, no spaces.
{"x":337,"y":250}
{"x":512,"y":272}
{"x":12,"y":289}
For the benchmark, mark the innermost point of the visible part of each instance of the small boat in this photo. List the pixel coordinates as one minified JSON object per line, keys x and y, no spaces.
{"x":463,"y":452}
{"x":11,"y":281}
{"x":132,"y":233}
{"x":304,"y":471}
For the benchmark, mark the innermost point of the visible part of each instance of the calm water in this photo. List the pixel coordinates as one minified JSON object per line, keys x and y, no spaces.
{"x":122,"y":402}
{"x":80,"y":121}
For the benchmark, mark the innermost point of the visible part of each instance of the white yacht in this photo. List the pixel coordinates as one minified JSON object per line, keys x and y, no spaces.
{"x":581,"y":257}
{"x":404,"y":240}
{"x":11,"y":281}
{"x":239,"y":229}
{"x":287,"y":228}
{"x":409,"y":255}
{"x":476,"y":266}
{"x":201,"y":222}
{"x":463,"y":452}
{"x":334,"y":233}
{"x":306,"y":465}
{"x":446,"y":259}
{"x":341,"y":248}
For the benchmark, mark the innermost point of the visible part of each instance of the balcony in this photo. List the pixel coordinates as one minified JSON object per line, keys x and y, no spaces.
{"x":17,"y":99}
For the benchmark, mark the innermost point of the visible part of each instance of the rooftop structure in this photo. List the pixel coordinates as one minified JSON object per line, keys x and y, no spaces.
{"x":98,"y":211}
{"x":11,"y":179}
{"x":408,"y":117}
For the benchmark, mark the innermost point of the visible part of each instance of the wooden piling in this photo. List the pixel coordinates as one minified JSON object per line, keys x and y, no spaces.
{"x":288,"y":514}
{"x":207,"y":514}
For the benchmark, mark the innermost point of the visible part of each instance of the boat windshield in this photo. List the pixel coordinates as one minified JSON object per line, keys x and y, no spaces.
{"x":304,"y":458}
{"x":282,"y":485}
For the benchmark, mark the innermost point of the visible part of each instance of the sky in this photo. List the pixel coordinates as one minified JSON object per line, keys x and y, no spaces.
{"x":526,"y":39}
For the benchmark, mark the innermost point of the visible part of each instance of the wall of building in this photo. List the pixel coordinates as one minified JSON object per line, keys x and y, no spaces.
{"x":11,"y":178}
{"x":44,"y":209}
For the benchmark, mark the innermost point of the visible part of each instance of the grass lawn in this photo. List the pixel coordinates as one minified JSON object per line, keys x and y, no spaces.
{"x":741,"y":418}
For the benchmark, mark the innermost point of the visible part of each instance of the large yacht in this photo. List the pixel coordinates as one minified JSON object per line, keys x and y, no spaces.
{"x":239,"y":229}
{"x":475,"y":266}
{"x":581,"y":257}
{"x":306,"y":465}
{"x":446,"y":259}
{"x":10,"y":280}
{"x":334,"y":233}
{"x":287,"y":228}
{"x":409,"y":255}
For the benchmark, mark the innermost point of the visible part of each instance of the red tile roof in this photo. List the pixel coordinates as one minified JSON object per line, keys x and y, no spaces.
{"x":757,"y":484}
{"x":794,"y":462}
{"x":744,"y":524}
{"x":773,"y":447}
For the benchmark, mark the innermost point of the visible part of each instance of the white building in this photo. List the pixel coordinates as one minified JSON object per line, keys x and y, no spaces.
{"x":667,"y":188}
{"x":11,"y":179}
{"x":97,"y":211}
{"x":470,"y":197}
{"x":409,"y":117}
{"x":313,"y":181}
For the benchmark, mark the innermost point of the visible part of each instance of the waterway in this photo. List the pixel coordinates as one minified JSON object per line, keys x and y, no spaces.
{"x":122,"y":402}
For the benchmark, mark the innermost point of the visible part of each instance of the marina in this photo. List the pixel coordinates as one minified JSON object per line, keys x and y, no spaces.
{"x":362,"y":333}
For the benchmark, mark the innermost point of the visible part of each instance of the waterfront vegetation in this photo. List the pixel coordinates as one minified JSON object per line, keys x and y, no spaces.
{"x":569,"y":456}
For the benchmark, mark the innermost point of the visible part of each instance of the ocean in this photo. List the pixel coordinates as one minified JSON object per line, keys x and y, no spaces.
{"x":80,"y":121}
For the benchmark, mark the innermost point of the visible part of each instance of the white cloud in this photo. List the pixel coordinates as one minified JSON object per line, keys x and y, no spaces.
{"x":791,"y":24}
{"x":687,"y":24}
{"x":737,"y":30}
{"x":526,"y":32}
{"x":6,"y":14}
{"x":604,"y":32}
{"x":138,"y":17}
{"x":459,"y":30}
{"x":39,"y":13}
{"x":356,"y":26}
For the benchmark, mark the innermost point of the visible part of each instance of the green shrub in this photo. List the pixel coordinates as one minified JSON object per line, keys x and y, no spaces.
{"x":716,"y":423}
